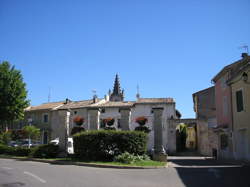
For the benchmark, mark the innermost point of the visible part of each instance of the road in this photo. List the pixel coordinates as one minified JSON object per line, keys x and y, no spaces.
{"x":189,"y":172}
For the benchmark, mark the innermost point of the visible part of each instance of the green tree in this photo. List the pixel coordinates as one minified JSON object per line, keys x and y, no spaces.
{"x":32,"y":131}
{"x":13,"y":94}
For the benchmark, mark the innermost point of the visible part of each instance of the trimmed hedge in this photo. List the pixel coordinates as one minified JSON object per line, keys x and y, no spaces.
{"x":45,"y":151}
{"x":105,"y":144}
{"x":16,"y":151}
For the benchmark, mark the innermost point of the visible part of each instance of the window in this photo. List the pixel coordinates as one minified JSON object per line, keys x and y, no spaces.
{"x":239,"y":101}
{"x":45,"y":118}
{"x":75,"y":112}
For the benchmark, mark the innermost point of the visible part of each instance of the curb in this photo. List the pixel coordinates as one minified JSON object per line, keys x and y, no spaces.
{"x":85,"y":164}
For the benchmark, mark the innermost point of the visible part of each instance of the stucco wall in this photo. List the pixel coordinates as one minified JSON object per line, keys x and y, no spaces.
{"x":241,"y":120}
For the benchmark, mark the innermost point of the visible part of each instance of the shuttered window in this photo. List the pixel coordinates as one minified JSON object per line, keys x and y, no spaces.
{"x":239,"y":101}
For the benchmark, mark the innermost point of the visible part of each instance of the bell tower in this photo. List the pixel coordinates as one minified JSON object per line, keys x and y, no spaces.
{"x":117,"y":94}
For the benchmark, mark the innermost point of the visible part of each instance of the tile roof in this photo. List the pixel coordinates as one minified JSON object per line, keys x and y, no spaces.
{"x":45,"y":106}
{"x":234,"y":68}
{"x":155,"y":100}
{"x":77,"y":104}
{"x":114,"y":104}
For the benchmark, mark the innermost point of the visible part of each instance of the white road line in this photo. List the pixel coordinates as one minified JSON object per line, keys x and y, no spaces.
{"x":35,"y":176}
{"x":7,"y":168}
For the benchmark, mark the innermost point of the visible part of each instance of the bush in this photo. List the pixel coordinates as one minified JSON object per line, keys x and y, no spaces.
{"x":45,"y":151}
{"x":15,"y":151}
{"x":76,"y":130}
{"x":105,"y":145}
{"x":142,"y":128}
{"x":21,"y":151}
{"x":128,"y":158}
{"x":4,"y":149}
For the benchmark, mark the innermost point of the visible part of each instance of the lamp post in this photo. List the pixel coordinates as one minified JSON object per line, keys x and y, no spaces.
{"x":30,"y":123}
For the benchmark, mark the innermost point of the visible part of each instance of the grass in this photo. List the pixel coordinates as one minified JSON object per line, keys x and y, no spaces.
{"x":146,"y":163}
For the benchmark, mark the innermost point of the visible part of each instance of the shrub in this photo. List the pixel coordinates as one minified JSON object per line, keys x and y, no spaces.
{"x":4,"y":149}
{"x":45,"y":151}
{"x":105,"y":145}
{"x":142,"y":128}
{"x":21,"y":151}
{"x":109,"y":128}
{"x":15,"y":151}
{"x":128,"y":158}
{"x":76,"y":130}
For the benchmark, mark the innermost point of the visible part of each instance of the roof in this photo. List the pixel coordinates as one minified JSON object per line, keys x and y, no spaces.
{"x":204,"y":90}
{"x":155,"y":100}
{"x":234,"y":67}
{"x":239,"y":72}
{"x":114,"y":104}
{"x":76,"y":104}
{"x":45,"y":106}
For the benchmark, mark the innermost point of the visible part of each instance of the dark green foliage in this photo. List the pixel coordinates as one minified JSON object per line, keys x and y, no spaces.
{"x":105,"y":145}
{"x":15,"y":151}
{"x":4,"y":149}
{"x":143,"y":128}
{"x":12,"y":94}
{"x":76,"y":130}
{"x":109,"y":128}
{"x":45,"y":151}
{"x":128,"y":158}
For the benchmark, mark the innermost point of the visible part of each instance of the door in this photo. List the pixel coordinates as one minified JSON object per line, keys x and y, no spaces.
{"x":242,"y":144}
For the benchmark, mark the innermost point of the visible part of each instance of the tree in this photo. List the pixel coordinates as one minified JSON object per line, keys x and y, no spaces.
{"x":32,"y":131}
{"x":13,"y":94}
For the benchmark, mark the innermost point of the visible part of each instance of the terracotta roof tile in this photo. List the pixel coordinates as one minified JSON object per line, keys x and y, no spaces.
{"x":45,"y":106}
{"x":155,"y":100}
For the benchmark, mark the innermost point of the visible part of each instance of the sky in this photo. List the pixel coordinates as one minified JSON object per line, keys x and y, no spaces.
{"x":170,"y":48}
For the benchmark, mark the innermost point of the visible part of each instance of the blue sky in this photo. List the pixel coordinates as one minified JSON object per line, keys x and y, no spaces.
{"x":170,"y":48}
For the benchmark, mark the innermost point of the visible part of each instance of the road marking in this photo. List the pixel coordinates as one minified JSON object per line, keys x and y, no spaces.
{"x":215,"y":172}
{"x":7,"y":168}
{"x":35,"y":176}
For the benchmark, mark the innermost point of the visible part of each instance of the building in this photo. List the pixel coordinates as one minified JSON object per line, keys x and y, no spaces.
{"x":240,"y":87}
{"x":57,"y":119}
{"x":204,"y":107}
{"x":224,"y":107}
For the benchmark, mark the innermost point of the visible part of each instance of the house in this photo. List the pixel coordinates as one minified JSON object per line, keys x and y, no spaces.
{"x":224,"y":107}
{"x":58,"y":119}
{"x":240,"y":87}
{"x":204,"y":107}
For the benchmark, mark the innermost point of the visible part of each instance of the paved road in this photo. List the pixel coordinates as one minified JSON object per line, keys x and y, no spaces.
{"x":190,"y":172}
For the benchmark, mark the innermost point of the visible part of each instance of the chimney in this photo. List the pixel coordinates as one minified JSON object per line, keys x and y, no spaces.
{"x":244,"y":55}
{"x":95,"y":99}
{"x":67,"y":101}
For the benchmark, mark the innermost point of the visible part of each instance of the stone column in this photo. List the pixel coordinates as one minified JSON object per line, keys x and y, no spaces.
{"x":159,"y":152}
{"x":125,"y":118}
{"x":171,"y":136}
{"x":94,"y":115}
{"x":64,"y":130}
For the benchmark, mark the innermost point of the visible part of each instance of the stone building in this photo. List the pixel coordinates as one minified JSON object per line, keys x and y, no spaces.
{"x":240,"y":87}
{"x":224,"y":106}
{"x":204,"y":107}
{"x":57,"y":119}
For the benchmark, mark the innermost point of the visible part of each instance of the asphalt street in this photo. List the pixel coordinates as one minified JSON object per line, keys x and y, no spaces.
{"x":190,"y":172}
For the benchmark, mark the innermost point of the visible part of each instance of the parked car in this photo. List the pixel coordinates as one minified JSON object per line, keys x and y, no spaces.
{"x":13,"y":144}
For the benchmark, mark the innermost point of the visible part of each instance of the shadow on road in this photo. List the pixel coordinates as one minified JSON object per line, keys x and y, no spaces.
{"x":207,"y":172}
